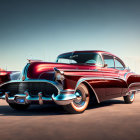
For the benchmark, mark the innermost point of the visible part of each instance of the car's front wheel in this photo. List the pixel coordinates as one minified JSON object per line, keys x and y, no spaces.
{"x":79,"y":104}
{"x":129,"y":98}
{"x":19,"y":107}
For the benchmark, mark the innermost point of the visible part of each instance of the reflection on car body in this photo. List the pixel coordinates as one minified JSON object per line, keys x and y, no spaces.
{"x":74,"y":80}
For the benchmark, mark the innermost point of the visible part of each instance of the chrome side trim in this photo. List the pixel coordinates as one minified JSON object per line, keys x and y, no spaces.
{"x":91,"y":70}
{"x":104,"y":78}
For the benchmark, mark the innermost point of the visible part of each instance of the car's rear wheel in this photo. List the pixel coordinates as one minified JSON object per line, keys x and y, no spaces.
{"x":79,"y":104}
{"x":19,"y":107}
{"x":129,"y":99}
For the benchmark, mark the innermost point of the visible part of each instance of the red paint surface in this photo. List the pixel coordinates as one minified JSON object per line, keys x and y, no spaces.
{"x":107,"y":82}
{"x":4,"y":76}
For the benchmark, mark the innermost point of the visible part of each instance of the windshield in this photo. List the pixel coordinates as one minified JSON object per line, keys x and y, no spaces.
{"x":80,"y":58}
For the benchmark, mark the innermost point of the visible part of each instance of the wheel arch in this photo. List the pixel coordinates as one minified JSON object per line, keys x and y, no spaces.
{"x":133,"y":82}
{"x":91,"y":90}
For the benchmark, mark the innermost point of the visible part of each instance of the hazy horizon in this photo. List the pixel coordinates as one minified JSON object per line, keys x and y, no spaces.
{"x":43,"y":29}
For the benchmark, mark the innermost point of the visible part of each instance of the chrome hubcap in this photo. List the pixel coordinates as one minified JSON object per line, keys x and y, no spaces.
{"x":78,"y":96}
{"x":132,"y":96}
{"x":79,"y":101}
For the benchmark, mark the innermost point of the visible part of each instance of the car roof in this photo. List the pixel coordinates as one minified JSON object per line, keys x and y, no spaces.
{"x":94,"y":51}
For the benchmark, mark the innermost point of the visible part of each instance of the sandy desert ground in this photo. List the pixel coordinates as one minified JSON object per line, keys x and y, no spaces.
{"x":110,"y":120}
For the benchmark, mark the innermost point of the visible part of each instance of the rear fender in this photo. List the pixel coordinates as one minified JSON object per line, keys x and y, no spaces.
{"x":133,"y":82}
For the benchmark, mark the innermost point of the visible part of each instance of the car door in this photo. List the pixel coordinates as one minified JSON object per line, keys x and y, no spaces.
{"x":119,"y":65}
{"x":92,"y":74}
{"x":112,"y":82}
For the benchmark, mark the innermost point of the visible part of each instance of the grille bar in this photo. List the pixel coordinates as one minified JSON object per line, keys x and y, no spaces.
{"x":33,"y":88}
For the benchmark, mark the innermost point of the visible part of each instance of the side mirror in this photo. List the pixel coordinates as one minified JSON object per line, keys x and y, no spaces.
{"x":105,"y":65}
{"x":127,"y":68}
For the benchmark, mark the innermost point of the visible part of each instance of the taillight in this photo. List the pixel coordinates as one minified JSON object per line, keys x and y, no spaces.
{"x":2,"y":73}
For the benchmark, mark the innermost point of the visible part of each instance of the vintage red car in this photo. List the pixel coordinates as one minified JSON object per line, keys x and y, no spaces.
{"x":6,"y":76}
{"x":73,"y":81}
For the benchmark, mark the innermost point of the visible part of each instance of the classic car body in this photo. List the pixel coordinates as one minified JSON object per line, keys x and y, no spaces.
{"x":6,"y":76}
{"x":74,"y":80}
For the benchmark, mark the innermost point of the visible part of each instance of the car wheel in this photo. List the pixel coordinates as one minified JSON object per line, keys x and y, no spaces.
{"x":19,"y":107}
{"x":129,"y":98}
{"x":79,"y":104}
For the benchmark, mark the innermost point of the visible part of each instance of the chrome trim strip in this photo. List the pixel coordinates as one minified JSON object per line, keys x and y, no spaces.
{"x":91,"y":70}
{"x":90,"y":78}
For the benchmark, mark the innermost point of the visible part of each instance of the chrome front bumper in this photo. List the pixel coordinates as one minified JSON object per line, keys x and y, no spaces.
{"x":65,"y":97}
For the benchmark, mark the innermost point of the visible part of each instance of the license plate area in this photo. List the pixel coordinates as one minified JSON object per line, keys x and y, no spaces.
{"x":20,"y":100}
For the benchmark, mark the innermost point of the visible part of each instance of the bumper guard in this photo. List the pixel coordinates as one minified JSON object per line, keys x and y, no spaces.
{"x":63,"y":98}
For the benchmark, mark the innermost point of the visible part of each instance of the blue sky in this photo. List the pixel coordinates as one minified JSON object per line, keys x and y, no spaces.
{"x":42,"y":29}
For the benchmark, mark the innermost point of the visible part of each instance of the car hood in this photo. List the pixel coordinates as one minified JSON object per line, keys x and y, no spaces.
{"x":39,"y":70}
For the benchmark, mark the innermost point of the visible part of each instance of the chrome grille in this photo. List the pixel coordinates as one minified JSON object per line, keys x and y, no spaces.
{"x":33,"y":88}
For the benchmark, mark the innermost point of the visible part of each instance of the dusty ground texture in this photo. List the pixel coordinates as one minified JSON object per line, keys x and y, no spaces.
{"x":110,"y":120}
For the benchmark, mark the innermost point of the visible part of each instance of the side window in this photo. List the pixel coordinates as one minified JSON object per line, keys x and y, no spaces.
{"x":109,"y":60}
{"x":118,"y":65}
